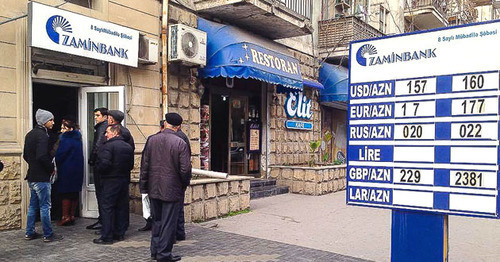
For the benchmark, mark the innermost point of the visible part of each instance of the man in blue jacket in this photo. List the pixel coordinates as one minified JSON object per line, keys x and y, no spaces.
{"x":40,"y":168}
{"x":114,"y":162}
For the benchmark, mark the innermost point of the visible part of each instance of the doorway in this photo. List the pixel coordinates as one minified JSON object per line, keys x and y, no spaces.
{"x":113,"y":98}
{"x":67,"y":101}
{"x":62,"y":102}
{"x":219,"y":126}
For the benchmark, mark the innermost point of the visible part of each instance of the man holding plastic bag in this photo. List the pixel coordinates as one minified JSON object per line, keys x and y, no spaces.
{"x":165,"y":172}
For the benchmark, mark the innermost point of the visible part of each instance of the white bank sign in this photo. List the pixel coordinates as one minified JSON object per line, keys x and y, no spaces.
{"x":67,"y":32}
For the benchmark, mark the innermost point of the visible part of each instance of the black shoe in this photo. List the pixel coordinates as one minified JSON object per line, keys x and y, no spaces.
{"x":52,"y":238}
{"x":118,"y":238}
{"x":180,"y":238}
{"x":32,"y":236}
{"x":170,"y":259}
{"x":96,"y":225}
{"x":101,"y":241}
{"x":147,"y":227}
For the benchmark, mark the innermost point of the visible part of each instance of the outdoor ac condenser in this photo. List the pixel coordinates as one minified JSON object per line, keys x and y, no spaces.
{"x":187,"y":45}
{"x":148,"y":50}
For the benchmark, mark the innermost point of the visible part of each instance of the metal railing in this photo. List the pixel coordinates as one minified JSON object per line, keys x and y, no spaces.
{"x":301,"y":7}
{"x":440,"y":5}
{"x":338,"y":32}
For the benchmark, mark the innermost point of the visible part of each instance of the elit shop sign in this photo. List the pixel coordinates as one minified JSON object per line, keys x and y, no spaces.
{"x":62,"y":31}
{"x":297,"y":105}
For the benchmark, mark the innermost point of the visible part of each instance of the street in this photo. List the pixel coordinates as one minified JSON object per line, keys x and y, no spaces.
{"x":282,"y":228}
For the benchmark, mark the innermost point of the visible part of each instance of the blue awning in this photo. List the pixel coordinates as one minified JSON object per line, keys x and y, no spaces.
{"x":335,"y":80}
{"x":312,"y":83}
{"x":232,"y":52}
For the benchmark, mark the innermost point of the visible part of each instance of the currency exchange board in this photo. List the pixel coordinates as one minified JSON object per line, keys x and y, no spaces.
{"x":423,"y":130}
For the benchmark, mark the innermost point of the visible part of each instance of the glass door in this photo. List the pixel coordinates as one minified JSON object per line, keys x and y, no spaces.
{"x":111,"y":97}
{"x":238,"y":107}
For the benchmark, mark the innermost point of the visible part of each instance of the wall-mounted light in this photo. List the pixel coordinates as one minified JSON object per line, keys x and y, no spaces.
{"x":224,"y":97}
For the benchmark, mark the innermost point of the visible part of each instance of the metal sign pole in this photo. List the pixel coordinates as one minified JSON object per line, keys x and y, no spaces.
{"x":418,"y":236}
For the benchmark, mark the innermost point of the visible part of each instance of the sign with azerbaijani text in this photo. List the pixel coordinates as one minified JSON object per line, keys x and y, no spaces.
{"x":67,"y":32}
{"x":423,"y":117}
{"x":297,"y":105}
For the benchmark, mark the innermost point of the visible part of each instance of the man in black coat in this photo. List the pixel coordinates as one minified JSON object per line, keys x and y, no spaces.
{"x":40,"y":168}
{"x":114,"y":162}
{"x":115,"y":117}
{"x":101,"y":119}
{"x":165,"y":172}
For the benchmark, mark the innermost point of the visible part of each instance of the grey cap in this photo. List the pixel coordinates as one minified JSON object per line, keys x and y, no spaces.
{"x":43,"y":116}
{"x":117,"y":115}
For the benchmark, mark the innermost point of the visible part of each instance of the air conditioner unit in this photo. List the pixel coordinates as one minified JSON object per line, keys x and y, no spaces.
{"x":148,"y":50}
{"x":187,"y":45}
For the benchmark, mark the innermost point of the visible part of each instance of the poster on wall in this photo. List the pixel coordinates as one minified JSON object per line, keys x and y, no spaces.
{"x":254,"y":140}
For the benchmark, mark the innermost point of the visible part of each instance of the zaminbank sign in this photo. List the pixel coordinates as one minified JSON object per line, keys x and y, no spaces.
{"x":67,"y":32}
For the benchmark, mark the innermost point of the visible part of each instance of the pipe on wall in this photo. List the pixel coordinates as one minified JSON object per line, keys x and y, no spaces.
{"x":164,"y":72}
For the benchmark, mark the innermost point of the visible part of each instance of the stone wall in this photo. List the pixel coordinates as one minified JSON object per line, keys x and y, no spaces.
{"x":287,"y":146}
{"x":310,"y":180}
{"x":207,"y":199}
{"x":10,"y":193}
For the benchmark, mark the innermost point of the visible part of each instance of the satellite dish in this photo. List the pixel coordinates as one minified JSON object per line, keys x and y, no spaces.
{"x":189,"y":44}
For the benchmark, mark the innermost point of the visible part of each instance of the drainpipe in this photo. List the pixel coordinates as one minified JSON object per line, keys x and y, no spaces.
{"x":164,"y":72}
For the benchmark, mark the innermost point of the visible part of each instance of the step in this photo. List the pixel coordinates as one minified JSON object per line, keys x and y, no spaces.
{"x":262,"y":183}
{"x":268,"y":191}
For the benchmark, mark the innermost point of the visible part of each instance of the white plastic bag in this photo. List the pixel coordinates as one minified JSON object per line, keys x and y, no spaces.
{"x":53,"y":176}
{"x":146,"y":206}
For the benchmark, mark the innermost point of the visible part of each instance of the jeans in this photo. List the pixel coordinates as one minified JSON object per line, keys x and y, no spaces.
{"x":40,"y":198}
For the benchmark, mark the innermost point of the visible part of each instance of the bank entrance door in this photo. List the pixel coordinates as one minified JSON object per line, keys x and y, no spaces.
{"x":111,"y":97}
{"x":237,"y":137}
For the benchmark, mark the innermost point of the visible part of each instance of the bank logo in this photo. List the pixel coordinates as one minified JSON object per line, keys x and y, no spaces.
{"x":55,"y":26}
{"x":363,"y":51}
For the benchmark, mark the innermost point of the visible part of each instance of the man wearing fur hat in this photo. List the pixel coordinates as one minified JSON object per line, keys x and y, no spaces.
{"x":40,"y":168}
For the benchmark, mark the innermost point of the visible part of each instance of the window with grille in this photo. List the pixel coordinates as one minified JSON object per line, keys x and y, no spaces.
{"x":383,"y":14}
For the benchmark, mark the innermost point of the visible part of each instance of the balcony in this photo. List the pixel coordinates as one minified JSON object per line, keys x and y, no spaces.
{"x":335,"y":35}
{"x":273,"y":19}
{"x":426,"y":14}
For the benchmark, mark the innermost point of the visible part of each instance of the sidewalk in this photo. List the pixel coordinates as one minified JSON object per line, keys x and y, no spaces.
{"x":327,"y":223}
{"x":202,"y":245}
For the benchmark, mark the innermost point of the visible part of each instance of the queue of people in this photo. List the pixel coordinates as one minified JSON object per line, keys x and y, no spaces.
{"x":164,"y":176}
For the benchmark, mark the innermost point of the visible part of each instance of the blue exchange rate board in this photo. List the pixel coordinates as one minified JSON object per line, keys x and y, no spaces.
{"x":426,"y":144}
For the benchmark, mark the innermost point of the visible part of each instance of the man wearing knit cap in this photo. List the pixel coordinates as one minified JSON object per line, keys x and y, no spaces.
{"x":115,"y":117}
{"x":165,"y":172}
{"x":40,"y":168}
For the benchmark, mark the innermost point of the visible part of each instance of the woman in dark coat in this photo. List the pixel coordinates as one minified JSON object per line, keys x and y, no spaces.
{"x":69,"y":161}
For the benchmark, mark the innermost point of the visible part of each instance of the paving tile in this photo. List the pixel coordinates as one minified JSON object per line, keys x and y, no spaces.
{"x":202,"y":245}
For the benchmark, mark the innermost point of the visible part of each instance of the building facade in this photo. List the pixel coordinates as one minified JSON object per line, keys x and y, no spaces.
{"x":70,"y":84}
{"x":263,"y":113}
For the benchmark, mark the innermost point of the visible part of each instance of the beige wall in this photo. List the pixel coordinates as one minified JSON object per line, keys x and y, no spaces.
{"x":142,"y":89}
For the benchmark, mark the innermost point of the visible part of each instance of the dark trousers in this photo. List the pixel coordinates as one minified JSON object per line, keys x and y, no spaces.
{"x":98,"y":193}
{"x":165,"y":216}
{"x":181,"y":231}
{"x":115,"y":208}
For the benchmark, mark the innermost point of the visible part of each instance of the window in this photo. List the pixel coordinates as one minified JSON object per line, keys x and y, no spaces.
{"x":383,"y":14}
{"x":84,"y":3}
